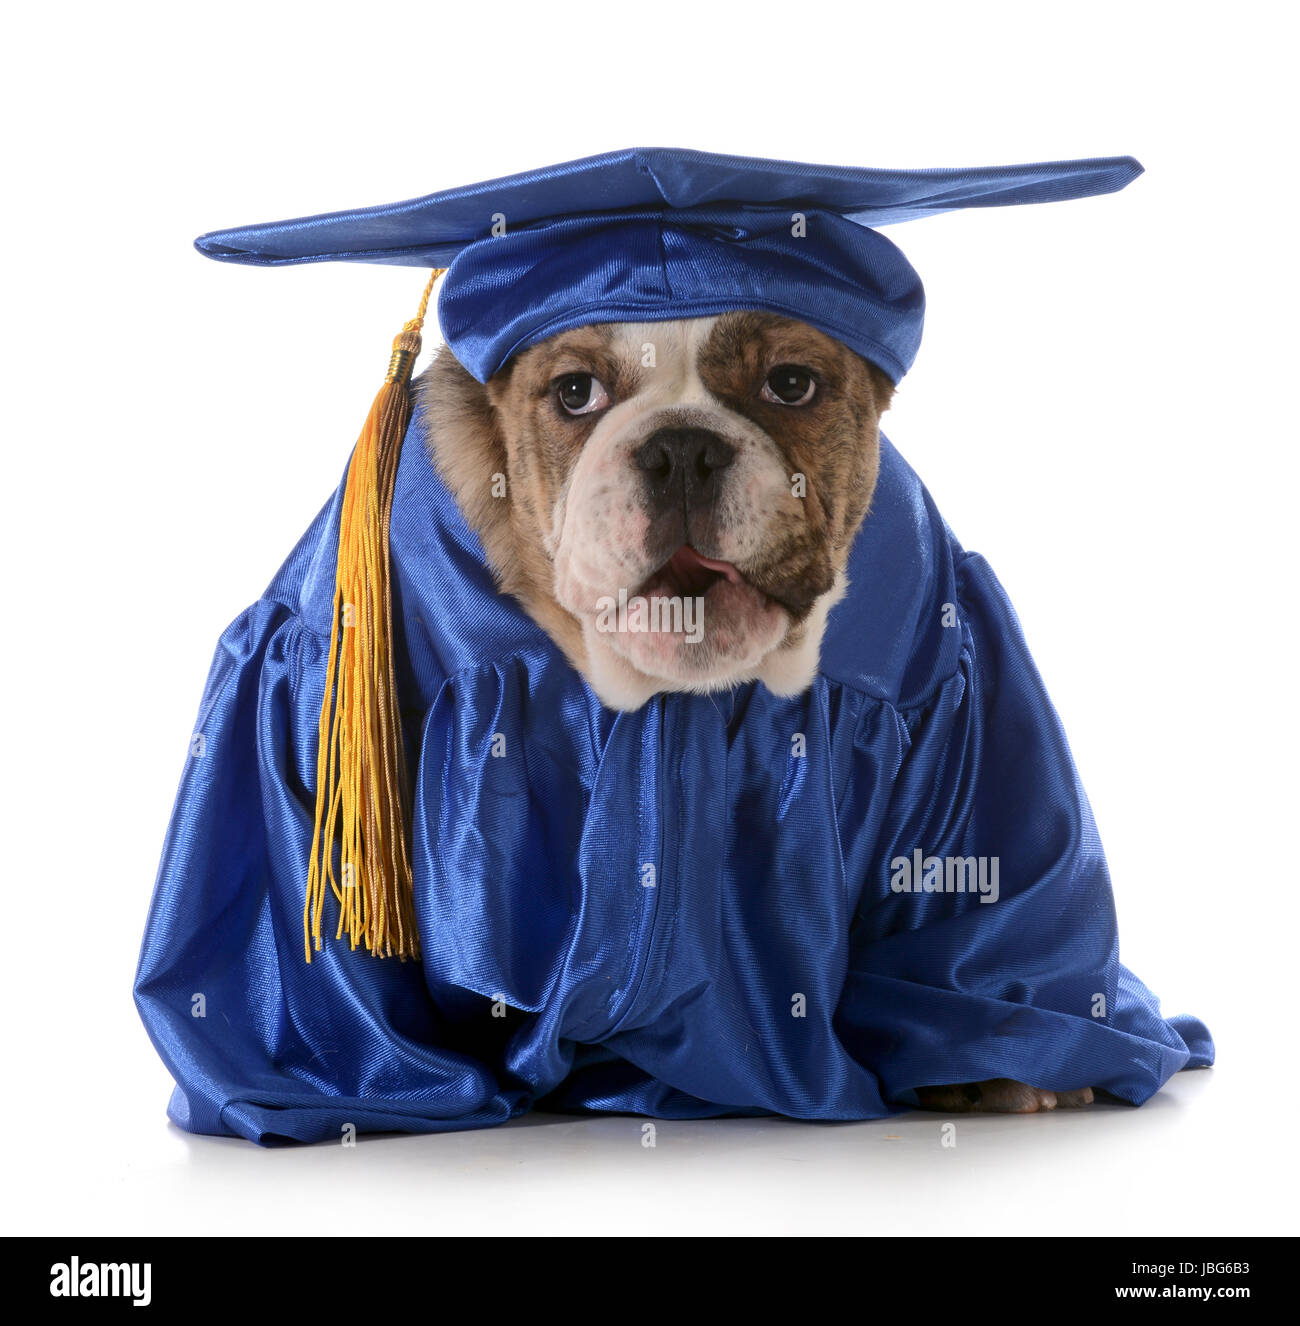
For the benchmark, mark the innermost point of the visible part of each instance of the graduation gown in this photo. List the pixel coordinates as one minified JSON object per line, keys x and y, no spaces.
{"x":690,"y":910}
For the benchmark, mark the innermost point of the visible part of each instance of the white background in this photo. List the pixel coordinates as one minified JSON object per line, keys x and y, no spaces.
{"x":1104,"y":406}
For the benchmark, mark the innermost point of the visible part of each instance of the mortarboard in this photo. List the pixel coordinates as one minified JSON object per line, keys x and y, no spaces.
{"x":653,"y":233}
{"x":644,"y":234}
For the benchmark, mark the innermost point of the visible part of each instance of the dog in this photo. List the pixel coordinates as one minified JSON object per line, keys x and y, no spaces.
{"x":722,"y":465}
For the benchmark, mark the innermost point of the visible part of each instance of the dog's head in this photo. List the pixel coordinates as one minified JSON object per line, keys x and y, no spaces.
{"x":673,"y":501}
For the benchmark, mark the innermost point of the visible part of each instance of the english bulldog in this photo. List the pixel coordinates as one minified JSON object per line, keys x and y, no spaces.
{"x":709,"y":476}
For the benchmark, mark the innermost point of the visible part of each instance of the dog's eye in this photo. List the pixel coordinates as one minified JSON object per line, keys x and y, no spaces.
{"x":580,"y":393}
{"x":789,"y":384}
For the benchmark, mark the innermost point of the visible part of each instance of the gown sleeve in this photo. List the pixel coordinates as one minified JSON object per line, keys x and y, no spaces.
{"x":947,"y":987}
{"x":259,"y":1043}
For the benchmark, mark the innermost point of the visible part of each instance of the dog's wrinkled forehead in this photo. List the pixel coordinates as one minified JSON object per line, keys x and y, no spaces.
{"x":699,"y":360}
{"x":629,"y":358}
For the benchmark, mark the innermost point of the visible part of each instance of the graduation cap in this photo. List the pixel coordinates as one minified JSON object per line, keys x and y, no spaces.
{"x":644,"y":234}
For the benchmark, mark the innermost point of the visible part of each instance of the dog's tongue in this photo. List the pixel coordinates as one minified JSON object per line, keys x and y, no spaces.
{"x":695,"y":573}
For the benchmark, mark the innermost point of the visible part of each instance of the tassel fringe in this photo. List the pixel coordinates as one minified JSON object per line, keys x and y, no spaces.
{"x":362,"y":797}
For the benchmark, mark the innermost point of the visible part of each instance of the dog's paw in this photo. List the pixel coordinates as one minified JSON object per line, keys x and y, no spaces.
{"x":1001,"y":1095}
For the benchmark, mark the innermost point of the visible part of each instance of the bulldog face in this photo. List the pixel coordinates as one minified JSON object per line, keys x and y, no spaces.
{"x":679,"y":497}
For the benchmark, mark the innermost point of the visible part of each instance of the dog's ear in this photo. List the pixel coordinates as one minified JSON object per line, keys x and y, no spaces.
{"x":499,"y":383}
{"x":882,"y":388}
{"x":462,"y":431}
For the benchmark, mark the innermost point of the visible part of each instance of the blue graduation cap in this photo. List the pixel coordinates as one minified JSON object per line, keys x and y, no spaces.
{"x":648,"y":234}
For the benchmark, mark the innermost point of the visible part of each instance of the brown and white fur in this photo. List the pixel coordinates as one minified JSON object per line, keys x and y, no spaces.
{"x":694,"y":465}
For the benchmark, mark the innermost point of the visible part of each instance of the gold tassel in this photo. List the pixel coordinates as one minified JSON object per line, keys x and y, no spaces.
{"x":361,"y":792}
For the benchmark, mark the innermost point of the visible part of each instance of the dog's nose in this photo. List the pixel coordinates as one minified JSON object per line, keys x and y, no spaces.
{"x":681,"y":465}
